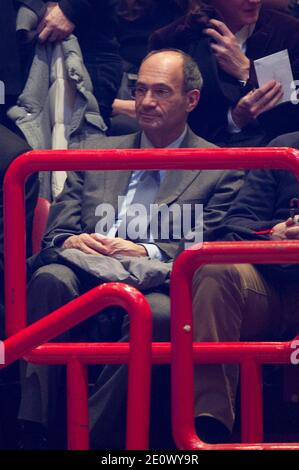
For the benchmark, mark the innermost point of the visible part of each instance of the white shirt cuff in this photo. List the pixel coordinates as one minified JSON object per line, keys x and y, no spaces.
{"x":153,"y":251}
{"x":231,"y":126}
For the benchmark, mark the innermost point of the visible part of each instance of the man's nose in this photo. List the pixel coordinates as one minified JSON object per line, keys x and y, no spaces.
{"x":149,"y":99}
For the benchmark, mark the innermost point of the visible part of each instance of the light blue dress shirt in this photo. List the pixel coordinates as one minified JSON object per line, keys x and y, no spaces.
{"x":153,"y":251}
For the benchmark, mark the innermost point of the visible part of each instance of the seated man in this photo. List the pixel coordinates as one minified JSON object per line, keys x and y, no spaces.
{"x":241,"y":301}
{"x":168,"y":89}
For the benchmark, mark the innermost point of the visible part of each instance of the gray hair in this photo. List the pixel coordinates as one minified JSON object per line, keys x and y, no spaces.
{"x":192,"y":78}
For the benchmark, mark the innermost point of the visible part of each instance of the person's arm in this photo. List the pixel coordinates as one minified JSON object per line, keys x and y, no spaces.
{"x":76,"y":10}
{"x":124,"y":107}
{"x":216,"y":203}
{"x":98,"y":244}
{"x":227,"y":51}
{"x":153,"y":251}
{"x":254,"y":208}
{"x":65,"y":214}
{"x":222,"y":197}
{"x":11,"y":146}
{"x":61,"y":18}
{"x":255,"y":103}
{"x":288,"y":230}
{"x":55,"y":25}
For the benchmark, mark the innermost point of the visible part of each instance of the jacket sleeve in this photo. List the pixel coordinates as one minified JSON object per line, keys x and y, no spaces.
{"x":11,"y":147}
{"x":65,"y":214}
{"x":254,"y":208}
{"x":223,"y":195}
{"x":216,"y":206}
{"x":75,"y":10}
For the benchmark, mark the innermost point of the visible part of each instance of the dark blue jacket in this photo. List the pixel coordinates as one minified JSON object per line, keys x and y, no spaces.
{"x":263,"y":201}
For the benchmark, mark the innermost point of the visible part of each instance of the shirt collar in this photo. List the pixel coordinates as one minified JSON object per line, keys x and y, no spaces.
{"x":244,"y":34}
{"x":146,"y":143}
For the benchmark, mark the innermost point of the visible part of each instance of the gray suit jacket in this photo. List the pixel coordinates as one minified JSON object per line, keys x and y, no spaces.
{"x":73,"y":212}
{"x":286,"y":140}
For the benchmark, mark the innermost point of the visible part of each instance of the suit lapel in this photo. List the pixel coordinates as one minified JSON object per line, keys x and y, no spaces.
{"x":176,"y":181}
{"x":258,"y":43}
{"x":116,"y":182}
{"x":174,"y":184}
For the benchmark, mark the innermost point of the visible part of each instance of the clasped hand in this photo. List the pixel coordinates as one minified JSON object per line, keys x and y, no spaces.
{"x":97,"y":244}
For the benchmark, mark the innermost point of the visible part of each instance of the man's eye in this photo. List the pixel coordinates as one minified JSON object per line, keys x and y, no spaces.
{"x":139,"y":90}
{"x":162,"y":92}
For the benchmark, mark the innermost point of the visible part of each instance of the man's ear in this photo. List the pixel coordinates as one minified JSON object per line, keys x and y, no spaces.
{"x":193,"y":97}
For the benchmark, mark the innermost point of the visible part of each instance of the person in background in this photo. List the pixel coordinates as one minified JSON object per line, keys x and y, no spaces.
{"x":244,"y":302}
{"x":94,"y":24}
{"x":11,"y":145}
{"x":137,"y":20}
{"x":224,"y":38}
{"x":290,"y":6}
{"x":11,"y":77}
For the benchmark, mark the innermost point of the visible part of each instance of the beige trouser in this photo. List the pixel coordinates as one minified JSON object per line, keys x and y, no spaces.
{"x":232,"y":303}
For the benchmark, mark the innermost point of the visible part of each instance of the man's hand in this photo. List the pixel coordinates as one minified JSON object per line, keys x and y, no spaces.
{"x":227,"y":51}
{"x":54,"y":26}
{"x":286,"y":231}
{"x":96,"y":244}
{"x":256,"y":102}
{"x":85,"y":242}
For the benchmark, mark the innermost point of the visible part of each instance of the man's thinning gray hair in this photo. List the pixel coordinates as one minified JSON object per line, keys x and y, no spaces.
{"x":192,"y":78}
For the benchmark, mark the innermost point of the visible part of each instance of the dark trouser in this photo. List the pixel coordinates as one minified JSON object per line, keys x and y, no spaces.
{"x":107,"y":405}
{"x":50,"y":287}
{"x":233,"y":303}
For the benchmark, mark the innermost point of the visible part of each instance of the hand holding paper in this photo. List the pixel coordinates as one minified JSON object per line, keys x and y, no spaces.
{"x":256,"y":102}
{"x":276,"y":67}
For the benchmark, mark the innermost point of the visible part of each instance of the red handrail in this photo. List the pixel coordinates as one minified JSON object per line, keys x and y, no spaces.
{"x":138,"y":356}
{"x":249,"y":355}
{"x":75,"y":354}
{"x":22,"y":167}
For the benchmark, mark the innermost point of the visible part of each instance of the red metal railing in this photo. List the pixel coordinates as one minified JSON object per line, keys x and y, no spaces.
{"x":76,"y":355}
{"x":138,"y":356}
{"x":250,"y":355}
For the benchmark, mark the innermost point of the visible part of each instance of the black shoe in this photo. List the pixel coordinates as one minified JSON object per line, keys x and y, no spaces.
{"x":33,"y":436}
{"x":211,"y":430}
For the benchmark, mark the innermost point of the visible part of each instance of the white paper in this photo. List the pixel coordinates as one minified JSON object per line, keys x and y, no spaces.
{"x":276,"y":67}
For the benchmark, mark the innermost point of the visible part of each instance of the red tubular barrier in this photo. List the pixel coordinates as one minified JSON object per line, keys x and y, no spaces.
{"x":77,"y":406}
{"x":22,"y":167}
{"x":249,"y":355}
{"x":76,"y":355}
{"x":70,"y":315}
